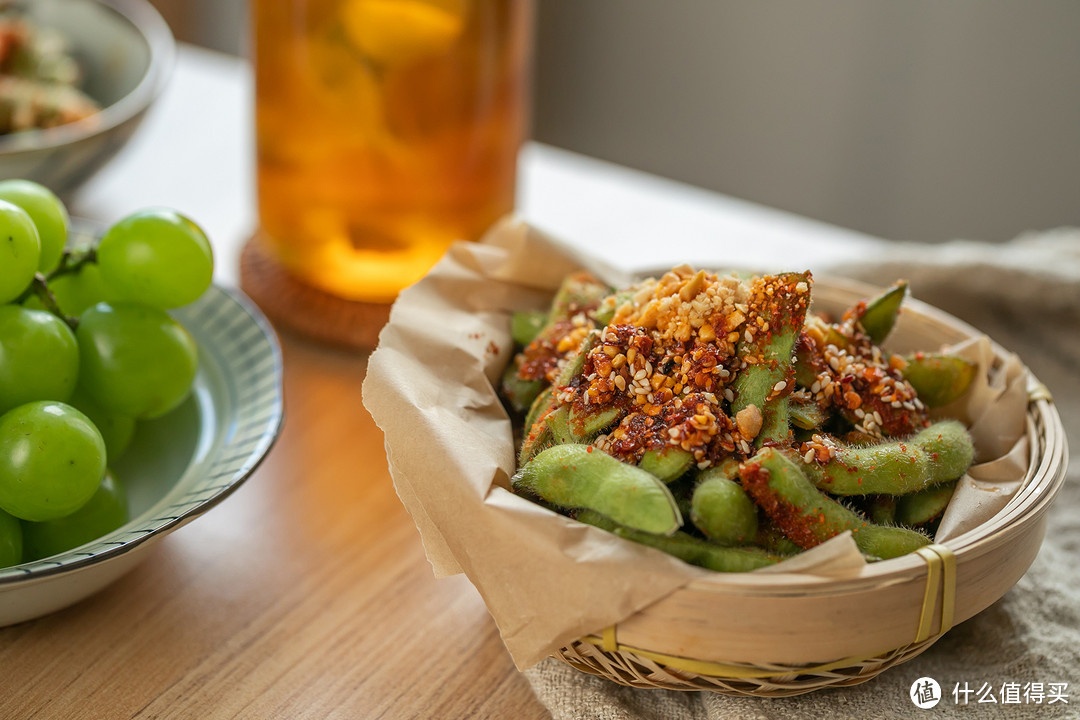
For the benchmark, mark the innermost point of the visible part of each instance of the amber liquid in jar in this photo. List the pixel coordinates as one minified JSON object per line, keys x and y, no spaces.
{"x":386,"y":130}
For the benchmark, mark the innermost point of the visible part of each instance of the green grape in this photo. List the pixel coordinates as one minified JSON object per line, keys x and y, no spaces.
{"x":116,"y":430}
{"x":39,"y":358}
{"x":52,"y":459}
{"x":156,"y":257}
{"x":135,"y":360}
{"x":48,"y":214}
{"x":11,"y":540}
{"x":105,"y":511}
{"x":20,"y":250}
{"x":75,"y":292}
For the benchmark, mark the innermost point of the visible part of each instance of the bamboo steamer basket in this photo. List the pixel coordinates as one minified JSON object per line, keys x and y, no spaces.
{"x":775,"y":635}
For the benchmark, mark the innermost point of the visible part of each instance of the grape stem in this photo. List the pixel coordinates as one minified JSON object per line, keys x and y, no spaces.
{"x":40,"y":287}
{"x":72,"y":261}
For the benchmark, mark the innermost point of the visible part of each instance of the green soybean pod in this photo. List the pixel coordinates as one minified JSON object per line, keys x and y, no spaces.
{"x":940,"y":453}
{"x":879,"y":317}
{"x":939,"y":379}
{"x":721,"y":509}
{"x":688,"y":548}
{"x":806,"y":415}
{"x":585,"y":425}
{"x":882,"y":508}
{"x":808,"y":517}
{"x":520,"y":393}
{"x":668,"y":463}
{"x":582,"y":477}
{"x":525,"y":325}
{"x":925,"y":506}
{"x":767,"y":382}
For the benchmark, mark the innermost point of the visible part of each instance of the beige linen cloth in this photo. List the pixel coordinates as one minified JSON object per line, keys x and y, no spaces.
{"x":1026,"y":295}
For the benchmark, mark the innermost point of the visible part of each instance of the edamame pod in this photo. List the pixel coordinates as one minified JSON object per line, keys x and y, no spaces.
{"x":582,"y":477}
{"x":882,"y":509}
{"x":806,"y":415}
{"x":721,"y":509}
{"x":525,"y":325}
{"x":808,"y":517}
{"x":520,"y":393}
{"x":585,"y":425}
{"x":880,"y":315}
{"x":766,"y":347}
{"x":668,"y":463}
{"x":939,"y":379}
{"x":690,"y":549}
{"x":925,"y":506}
{"x":940,"y":453}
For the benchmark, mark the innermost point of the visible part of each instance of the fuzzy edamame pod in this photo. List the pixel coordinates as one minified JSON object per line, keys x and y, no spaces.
{"x":721,"y":509}
{"x":668,"y":463}
{"x":767,"y":381}
{"x":688,"y":548}
{"x":806,"y":415}
{"x":939,"y":379}
{"x":881,"y":509}
{"x":880,"y":315}
{"x":519,"y":392}
{"x":808,"y":517}
{"x":940,"y":453}
{"x":925,"y":506}
{"x":582,"y":477}
{"x":525,"y":325}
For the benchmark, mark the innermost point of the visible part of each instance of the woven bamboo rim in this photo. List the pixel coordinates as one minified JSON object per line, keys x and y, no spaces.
{"x":935,"y":567}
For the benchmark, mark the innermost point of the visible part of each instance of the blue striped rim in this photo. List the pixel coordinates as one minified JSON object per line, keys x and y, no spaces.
{"x":236,"y":339}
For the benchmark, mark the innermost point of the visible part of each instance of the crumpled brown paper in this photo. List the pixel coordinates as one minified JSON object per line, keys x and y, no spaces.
{"x":547,"y":579}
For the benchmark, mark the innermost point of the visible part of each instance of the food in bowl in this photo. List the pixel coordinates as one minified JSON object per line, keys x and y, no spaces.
{"x":87,"y":350}
{"x":717,"y":418}
{"x":39,"y":77}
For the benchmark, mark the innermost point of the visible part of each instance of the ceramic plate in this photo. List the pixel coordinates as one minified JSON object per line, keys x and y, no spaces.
{"x":178,"y":466}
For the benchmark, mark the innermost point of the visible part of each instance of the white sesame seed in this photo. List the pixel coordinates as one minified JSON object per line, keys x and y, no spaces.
{"x":816,"y":387}
{"x":640,"y":374}
{"x":860,"y":413}
{"x":779,"y":387}
{"x":896,"y":404}
{"x":877,"y":418}
{"x":809,"y":456}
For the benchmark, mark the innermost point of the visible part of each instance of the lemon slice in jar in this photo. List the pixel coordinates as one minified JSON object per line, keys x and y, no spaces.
{"x":400,"y":32}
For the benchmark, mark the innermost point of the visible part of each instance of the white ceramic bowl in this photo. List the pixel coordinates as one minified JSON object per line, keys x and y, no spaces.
{"x":178,"y":466}
{"x":126,"y":52}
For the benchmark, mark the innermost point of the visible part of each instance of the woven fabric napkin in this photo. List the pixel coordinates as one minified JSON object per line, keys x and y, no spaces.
{"x":1026,"y":295}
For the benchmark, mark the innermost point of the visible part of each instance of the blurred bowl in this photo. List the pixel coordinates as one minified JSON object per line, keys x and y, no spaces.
{"x":178,"y":466}
{"x":126,"y":52}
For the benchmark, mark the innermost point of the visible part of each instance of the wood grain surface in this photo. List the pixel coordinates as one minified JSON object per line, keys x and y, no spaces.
{"x":305,"y":595}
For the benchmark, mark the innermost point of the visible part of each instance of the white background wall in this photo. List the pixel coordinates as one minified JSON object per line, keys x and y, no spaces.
{"x":915,"y":119}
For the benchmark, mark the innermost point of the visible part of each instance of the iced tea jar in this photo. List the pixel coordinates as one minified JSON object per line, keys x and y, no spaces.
{"x":386,"y":130}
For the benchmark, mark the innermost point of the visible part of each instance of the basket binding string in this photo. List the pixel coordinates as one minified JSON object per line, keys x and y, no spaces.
{"x":940,"y":583}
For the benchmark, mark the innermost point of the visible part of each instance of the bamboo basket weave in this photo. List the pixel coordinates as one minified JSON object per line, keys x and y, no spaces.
{"x":759,"y":634}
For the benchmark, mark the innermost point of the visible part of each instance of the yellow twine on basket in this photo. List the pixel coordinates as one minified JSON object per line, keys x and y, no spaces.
{"x":1038,"y":391}
{"x":940,"y":582}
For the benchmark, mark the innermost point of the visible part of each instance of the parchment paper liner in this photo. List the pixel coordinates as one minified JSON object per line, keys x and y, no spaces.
{"x":545,"y":578}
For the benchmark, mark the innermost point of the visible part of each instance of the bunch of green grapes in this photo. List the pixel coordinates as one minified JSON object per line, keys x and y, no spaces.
{"x":87,"y":349}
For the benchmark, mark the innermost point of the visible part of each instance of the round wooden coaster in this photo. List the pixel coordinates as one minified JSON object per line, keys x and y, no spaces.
{"x":316,"y":314}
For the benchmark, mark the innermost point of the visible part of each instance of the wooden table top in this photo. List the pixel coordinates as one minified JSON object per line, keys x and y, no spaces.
{"x":305,"y":595}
